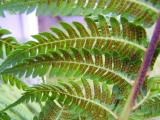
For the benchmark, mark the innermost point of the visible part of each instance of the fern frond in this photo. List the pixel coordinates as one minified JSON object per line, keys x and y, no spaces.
{"x":96,"y":103}
{"x":108,"y":67}
{"x":12,"y":80}
{"x":4,"y":116}
{"x":138,"y":10}
{"x":130,"y":40}
{"x":149,"y":108}
{"x":8,"y":94}
{"x":153,"y":83}
{"x":52,"y":111}
{"x":7,"y":44}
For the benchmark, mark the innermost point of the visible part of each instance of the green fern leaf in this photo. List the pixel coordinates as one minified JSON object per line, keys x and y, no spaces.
{"x":108,"y":67}
{"x":52,"y":111}
{"x":95,"y":104}
{"x":149,"y":108}
{"x":96,"y":36}
{"x":138,"y":10}
{"x":8,"y":94}
{"x":148,"y":105}
{"x":7,"y":44}
{"x":153,"y":83}
{"x":4,"y":116}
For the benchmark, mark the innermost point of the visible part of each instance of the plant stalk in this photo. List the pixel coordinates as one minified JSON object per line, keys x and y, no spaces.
{"x":142,"y":72}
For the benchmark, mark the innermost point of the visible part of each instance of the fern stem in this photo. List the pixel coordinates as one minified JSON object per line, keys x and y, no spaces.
{"x":142,"y":73}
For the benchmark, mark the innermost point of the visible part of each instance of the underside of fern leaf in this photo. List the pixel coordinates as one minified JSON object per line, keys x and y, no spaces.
{"x":52,"y":111}
{"x":138,"y":10}
{"x":112,"y":36}
{"x":108,"y":67}
{"x":75,"y":95}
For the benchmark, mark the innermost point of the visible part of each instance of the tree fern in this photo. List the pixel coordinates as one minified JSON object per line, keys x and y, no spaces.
{"x":126,"y":40}
{"x":96,"y":65}
{"x":98,"y":62}
{"x":65,"y":95}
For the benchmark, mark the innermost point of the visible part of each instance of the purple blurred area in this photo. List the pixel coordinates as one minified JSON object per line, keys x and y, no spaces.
{"x":45,"y":22}
{"x":23,"y":26}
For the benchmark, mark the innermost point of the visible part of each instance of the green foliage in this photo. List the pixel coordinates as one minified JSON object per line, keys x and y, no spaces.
{"x":75,"y":64}
{"x":126,"y":38}
{"x":51,"y":111}
{"x":12,"y":80}
{"x":144,"y":13}
{"x":4,"y":116}
{"x":22,"y":112}
{"x":150,"y":108}
{"x":71,"y":94}
{"x":97,"y":61}
{"x":7,"y":44}
{"x":148,"y":105}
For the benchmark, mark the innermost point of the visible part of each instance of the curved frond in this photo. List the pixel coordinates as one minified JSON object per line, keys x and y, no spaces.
{"x":7,"y":44}
{"x":52,"y":111}
{"x":141,"y":12}
{"x":8,"y":95}
{"x":149,"y":108}
{"x":95,"y":102}
{"x":126,"y":38}
{"x":4,"y":116}
{"x":109,"y":67}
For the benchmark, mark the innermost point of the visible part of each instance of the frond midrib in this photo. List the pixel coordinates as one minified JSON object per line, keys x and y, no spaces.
{"x":7,"y":43}
{"x":124,"y":41}
{"x":101,"y":38}
{"x":104,"y":107}
{"x":151,"y":99}
{"x":59,"y":114}
{"x":85,"y":38}
{"x":130,"y":82}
